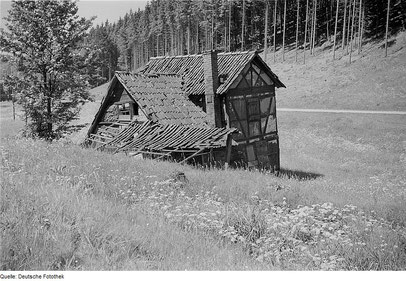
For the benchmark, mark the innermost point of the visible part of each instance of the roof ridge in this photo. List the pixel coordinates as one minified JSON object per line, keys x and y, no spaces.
{"x":237,"y":53}
{"x":177,"y":56}
{"x":199,"y":55}
{"x":151,"y":74}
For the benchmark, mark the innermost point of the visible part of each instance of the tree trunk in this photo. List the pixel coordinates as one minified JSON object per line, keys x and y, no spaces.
{"x":335,"y":31}
{"x":212,"y":28}
{"x":328,"y":24}
{"x":49,"y":100}
{"x":157,"y":45}
{"x":359,"y":25}
{"x":349,"y":24}
{"x":197,"y":38}
{"x":49,"y":113}
{"x":387,"y":29}
{"x":284,"y":30}
{"x":352,"y":27}
{"x":172,"y":42}
{"x":134,"y":62}
{"x":266,"y":30}
{"x":305,"y":39}
{"x":225,"y":31}
{"x":110,"y":66}
{"x":403,"y":13}
{"x":344,"y":24}
{"x":362,"y":31}
{"x":311,"y":29}
{"x":315,"y":26}
{"x":188,"y":36}
{"x":274,"y":32}
{"x":242,"y":25}
{"x":181,"y":42}
{"x":297,"y":27}
{"x":229,"y":25}
{"x":13,"y":101}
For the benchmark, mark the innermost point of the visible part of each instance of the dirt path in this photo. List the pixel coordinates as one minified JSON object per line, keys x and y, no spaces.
{"x":342,"y":111}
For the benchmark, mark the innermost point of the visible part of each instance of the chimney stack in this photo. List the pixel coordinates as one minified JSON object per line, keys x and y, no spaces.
{"x":211,"y":83}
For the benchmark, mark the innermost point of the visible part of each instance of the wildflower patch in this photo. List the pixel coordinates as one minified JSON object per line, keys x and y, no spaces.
{"x":316,"y":237}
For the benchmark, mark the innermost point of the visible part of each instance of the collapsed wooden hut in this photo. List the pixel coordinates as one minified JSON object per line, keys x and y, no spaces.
{"x":212,"y":107}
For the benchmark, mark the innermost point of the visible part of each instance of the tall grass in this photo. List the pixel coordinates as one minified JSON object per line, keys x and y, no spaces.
{"x":63,"y":207}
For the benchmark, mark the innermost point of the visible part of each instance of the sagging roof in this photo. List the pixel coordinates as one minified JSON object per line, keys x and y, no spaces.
{"x":190,"y":67}
{"x":149,"y":136}
{"x":162,"y":98}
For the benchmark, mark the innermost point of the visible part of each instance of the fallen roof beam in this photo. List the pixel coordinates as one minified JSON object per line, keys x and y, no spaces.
{"x":191,"y":156}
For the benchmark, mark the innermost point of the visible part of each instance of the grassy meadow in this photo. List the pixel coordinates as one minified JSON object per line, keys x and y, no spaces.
{"x":352,"y":158}
{"x":338,"y":204}
{"x":10,"y":125}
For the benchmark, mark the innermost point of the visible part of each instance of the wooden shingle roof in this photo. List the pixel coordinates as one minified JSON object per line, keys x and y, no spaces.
{"x":162,"y":98}
{"x":190,"y":67}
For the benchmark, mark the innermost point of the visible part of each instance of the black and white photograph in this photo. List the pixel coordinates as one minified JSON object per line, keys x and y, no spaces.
{"x":228,"y":136}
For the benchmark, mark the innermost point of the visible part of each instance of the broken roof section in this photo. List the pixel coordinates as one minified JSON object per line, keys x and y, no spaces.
{"x":190,"y":67}
{"x":150,"y":137}
{"x":162,"y":98}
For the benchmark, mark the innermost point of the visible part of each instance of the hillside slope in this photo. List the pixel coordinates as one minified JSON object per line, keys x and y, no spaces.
{"x":370,"y":82}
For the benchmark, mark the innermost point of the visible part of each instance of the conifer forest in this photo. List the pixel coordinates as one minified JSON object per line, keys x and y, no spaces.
{"x":180,"y":27}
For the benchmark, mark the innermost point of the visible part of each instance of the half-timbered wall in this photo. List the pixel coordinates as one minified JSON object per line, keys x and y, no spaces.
{"x":251,"y":107}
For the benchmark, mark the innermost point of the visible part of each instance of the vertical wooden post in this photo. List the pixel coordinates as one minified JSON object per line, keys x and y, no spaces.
{"x":211,"y":157}
{"x":297,"y":27}
{"x":387,"y":29}
{"x":266,"y":29}
{"x":335,"y":31}
{"x":305,"y":39}
{"x":228,"y":151}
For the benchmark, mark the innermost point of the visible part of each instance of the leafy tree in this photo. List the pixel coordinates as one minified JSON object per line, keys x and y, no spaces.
{"x":44,"y":38}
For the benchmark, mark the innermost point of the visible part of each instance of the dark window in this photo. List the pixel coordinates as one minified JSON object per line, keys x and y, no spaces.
{"x":127,"y":110}
{"x":135,"y":109}
{"x":124,"y":109}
